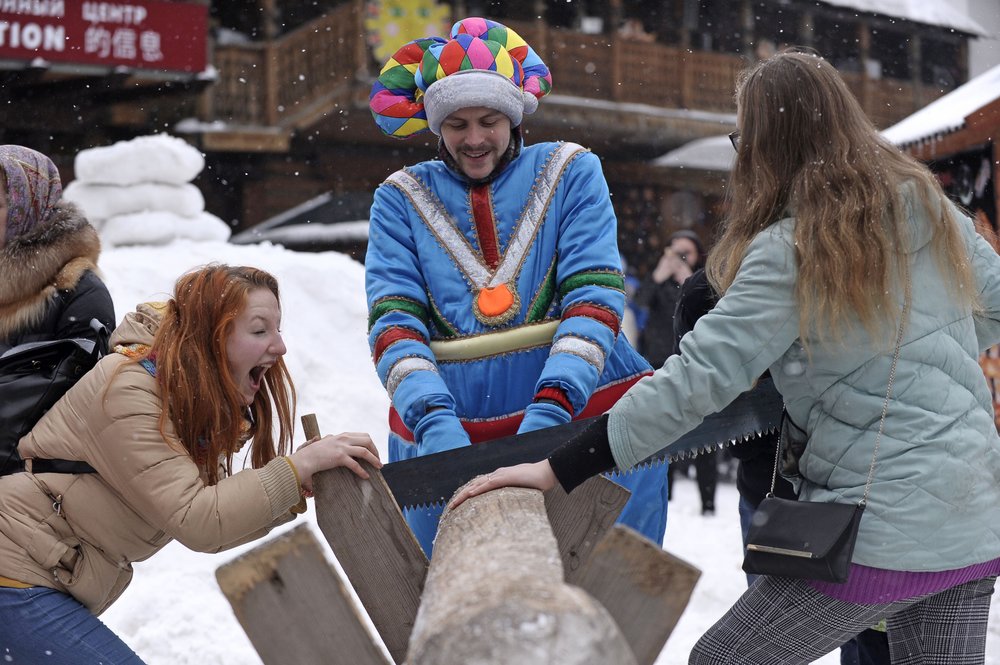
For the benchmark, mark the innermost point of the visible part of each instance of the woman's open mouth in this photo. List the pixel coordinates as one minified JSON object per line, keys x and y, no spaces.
{"x":257,"y":377}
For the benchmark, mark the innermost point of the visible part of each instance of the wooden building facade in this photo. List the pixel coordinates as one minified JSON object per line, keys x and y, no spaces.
{"x":281,"y":112}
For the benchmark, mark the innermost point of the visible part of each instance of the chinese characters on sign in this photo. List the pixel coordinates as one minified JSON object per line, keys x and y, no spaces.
{"x":164,"y":36}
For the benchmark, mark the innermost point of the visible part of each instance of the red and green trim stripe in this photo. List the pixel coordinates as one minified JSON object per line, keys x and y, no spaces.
{"x":543,"y":299}
{"x":386,"y":305}
{"x":606,"y":279}
{"x":596,"y":312}
{"x":390,"y":336}
{"x":557,"y":395}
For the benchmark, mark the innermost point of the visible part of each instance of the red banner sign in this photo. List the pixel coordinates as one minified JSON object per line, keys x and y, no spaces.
{"x":141,"y":34}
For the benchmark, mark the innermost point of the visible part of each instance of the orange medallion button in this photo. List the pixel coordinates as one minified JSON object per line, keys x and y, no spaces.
{"x":495,"y":300}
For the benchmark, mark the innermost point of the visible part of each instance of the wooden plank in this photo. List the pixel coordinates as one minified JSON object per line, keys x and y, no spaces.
{"x":246,"y":140}
{"x":581,"y":519}
{"x":375,"y":547}
{"x":643,"y":587}
{"x":294,"y":607}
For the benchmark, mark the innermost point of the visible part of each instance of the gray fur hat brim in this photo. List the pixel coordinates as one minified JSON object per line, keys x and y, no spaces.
{"x":476,"y":87}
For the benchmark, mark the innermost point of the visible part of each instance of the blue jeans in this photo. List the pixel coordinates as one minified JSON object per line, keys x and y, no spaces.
{"x":40,"y":625}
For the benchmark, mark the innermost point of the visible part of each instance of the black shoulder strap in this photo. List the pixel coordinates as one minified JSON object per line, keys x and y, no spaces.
{"x":67,"y":466}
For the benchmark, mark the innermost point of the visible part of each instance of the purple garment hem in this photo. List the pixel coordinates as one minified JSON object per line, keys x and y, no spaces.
{"x":870,"y":586}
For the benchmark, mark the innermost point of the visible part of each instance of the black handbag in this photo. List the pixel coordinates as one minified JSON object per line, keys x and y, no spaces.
{"x":809,"y":539}
{"x":33,"y":377}
{"x":804,"y":539}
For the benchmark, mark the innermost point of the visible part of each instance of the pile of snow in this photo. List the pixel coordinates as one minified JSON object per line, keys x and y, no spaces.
{"x":139,"y":192}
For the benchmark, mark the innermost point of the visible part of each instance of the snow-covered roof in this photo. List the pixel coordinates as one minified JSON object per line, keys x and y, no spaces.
{"x":641,"y":109}
{"x":714,"y":153}
{"x":294,"y":235}
{"x":948,"y":113}
{"x":942,"y":13}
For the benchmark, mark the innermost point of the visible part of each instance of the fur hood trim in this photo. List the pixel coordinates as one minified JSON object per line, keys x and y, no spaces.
{"x":34,"y":267}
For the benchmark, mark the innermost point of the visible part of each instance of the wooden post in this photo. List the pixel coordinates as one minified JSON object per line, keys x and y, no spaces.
{"x":867,"y":84}
{"x":644,"y":588}
{"x":495,"y":593}
{"x":269,"y":81}
{"x":374,"y":546}
{"x":581,"y":519}
{"x":294,"y":607}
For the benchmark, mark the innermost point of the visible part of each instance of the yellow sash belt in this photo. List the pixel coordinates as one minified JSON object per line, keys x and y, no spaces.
{"x":494,"y":343}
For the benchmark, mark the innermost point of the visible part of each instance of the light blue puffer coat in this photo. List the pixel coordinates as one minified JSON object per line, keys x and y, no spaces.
{"x":935,"y":500}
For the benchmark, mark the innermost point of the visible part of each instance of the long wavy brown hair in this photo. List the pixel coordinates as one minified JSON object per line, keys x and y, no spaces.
{"x":200,"y":396}
{"x":808,"y":150}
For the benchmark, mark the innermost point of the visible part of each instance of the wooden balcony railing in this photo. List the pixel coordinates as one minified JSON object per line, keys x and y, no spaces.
{"x":238,"y":94}
{"x":275,"y":84}
{"x":270,"y":83}
{"x":620,"y":69}
{"x":887,"y":101}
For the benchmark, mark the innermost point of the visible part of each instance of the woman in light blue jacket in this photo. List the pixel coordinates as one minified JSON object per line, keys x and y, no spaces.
{"x":830,"y":229}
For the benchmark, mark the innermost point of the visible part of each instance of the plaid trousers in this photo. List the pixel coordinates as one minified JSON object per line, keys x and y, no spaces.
{"x":782,"y":621}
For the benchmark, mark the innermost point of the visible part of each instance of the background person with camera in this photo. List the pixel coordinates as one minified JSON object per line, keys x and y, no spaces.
{"x":659,"y":296}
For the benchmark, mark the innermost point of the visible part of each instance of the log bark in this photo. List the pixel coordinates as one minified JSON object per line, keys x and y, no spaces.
{"x":495,"y":593}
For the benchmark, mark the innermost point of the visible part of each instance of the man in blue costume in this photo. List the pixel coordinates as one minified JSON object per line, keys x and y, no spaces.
{"x":494,"y":283}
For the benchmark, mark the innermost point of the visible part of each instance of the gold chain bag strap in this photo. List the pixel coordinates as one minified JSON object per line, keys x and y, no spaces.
{"x":809,"y":539}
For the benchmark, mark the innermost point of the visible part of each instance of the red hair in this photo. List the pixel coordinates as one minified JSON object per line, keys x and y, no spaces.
{"x":199,"y":393}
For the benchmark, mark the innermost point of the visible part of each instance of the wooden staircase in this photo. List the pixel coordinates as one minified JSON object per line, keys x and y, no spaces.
{"x":267,"y":90}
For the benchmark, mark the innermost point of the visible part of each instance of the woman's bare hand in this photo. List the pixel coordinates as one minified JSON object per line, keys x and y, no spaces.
{"x":344,"y":450}
{"x":537,"y":476}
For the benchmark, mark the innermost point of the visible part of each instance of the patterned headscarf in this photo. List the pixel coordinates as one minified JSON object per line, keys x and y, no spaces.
{"x":484,"y":63}
{"x":33,"y":189}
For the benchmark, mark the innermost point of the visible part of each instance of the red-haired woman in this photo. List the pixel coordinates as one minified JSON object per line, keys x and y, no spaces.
{"x":160,"y":420}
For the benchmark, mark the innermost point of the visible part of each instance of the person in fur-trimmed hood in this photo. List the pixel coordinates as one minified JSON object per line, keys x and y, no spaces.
{"x":50,"y":286}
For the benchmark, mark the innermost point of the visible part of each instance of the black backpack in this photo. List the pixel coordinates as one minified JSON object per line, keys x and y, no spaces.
{"x":33,"y":377}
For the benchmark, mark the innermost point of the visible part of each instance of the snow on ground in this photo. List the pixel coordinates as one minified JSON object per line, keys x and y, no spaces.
{"x":174,"y":612}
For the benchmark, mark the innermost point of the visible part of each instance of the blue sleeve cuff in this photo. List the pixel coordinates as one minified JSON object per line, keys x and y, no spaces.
{"x":438,"y":431}
{"x":541,"y":415}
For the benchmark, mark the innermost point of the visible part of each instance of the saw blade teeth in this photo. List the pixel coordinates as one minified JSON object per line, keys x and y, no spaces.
{"x":426,"y":506}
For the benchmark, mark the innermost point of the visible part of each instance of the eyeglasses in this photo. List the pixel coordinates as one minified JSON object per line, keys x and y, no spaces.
{"x":734,"y":138}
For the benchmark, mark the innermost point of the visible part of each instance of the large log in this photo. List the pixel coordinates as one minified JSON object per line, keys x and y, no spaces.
{"x":495,"y":593}
{"x":294,"y":607}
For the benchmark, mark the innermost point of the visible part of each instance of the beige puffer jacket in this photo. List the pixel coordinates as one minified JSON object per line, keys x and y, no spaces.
{"x":146,"y":491}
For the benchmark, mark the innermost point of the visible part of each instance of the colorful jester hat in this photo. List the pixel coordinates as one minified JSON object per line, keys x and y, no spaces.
{"x":484,"y":63}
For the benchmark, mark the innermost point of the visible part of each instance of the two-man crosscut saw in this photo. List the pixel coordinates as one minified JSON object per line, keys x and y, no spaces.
{"x":432,"y":479}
